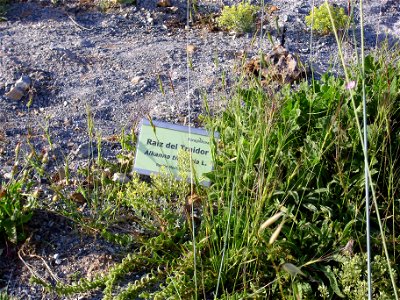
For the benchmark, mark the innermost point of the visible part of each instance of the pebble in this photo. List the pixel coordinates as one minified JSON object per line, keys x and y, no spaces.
{"x":302,"y":10}
{"x":19,"y":90}
{"x":120,"y":177}
{"x":8,"y":176}
{"x":164,"y":3}
{"x":191,"y":48}
{"x":86,"y":150}
{"x":57,"y":259}
{"x":137,"y":79}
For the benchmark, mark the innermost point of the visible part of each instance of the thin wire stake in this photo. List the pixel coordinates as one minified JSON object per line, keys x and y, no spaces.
{"x":261,"y":26}
{"x":188,"y":99}
{"x":366,"y":163}
{"x":311,"y":43}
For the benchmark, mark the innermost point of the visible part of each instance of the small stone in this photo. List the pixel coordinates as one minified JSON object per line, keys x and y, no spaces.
{"x":137,"y":79}
{"x":58,"y":261}
{"x":164,"y":3}
{"x":78,"y":198}
{"x":19,"y":90}
{"x":23,"y":83}
{"x":302,"y":10}
{"x":173,"y":9}
{"x":14,"y":94}
{"x":56,"y":256}
{"x":272,"y":9}
{"x":58,"y":175}
{"x":67,"y":122}
{"x":86,"y":150}
{"x":120,"y":177}
{"x":8,"y":175}
{"x":190,"y":48}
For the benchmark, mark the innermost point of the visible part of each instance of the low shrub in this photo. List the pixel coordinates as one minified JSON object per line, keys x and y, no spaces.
{"x":239,"y":18}
{"x":320,"y":21}
{"x":352,"y":277}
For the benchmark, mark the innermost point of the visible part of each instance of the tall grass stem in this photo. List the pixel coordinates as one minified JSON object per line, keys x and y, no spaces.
{"x":227,"y":230}
{"x":366,"y":161}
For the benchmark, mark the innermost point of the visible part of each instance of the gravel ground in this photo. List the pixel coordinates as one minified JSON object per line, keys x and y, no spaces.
{"x":114,"y":64}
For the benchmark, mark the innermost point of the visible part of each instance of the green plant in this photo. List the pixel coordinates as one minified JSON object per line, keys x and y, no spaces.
{"x":3,"y":8}
{"x":319,"y":18}
{"x":299,"y":155}
{"x":16,"y":204}
{"x":4,"y":296}
{"x":239,"y":18}
{"x":352,"y":273}
{"x":107,"y":4}
{"x":158,"y":209}
{"x":127,"y":2}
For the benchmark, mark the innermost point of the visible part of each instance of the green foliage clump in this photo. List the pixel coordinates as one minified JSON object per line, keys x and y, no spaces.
{"x":239,"y":18}
{"x":352,"y":276}
{"x":107,"y":4}
{"x":320,"y":21}
{"x":157,"y":206}
{"x":298,"y":153}
{"x":16,"y":206}
{"x":3,"y":8}
{"x":5,"y":296}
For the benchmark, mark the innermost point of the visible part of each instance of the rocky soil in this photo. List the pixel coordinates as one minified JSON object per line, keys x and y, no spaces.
{"x":119,"y":66}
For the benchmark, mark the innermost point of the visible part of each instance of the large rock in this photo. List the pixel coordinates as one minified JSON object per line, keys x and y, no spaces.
{"x":20,"y":88}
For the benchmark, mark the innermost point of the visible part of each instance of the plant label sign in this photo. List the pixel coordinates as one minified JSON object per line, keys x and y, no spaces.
{"x":162,"y":145}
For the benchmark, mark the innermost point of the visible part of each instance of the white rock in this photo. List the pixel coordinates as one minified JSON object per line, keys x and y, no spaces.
{"x":120,"y":177}
{"x":8,"y":175}
{"x":137,"y":79}
{"x":19,"y":90}
{"x":23,"y":83}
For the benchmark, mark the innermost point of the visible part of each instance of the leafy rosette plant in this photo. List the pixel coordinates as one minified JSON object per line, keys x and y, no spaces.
{"x":15,"y":210}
